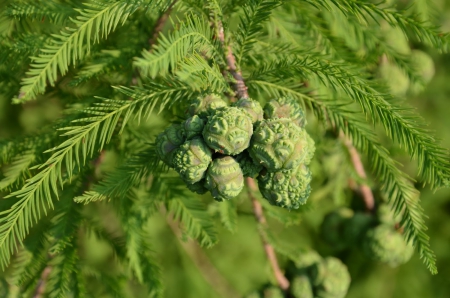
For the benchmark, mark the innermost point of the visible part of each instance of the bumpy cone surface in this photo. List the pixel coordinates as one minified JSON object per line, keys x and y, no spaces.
{"x":205,"y":106}
{"x":224,"y":178}
{"x":301,"y":287}
{"x":251,"y":107}
{"x":197,"y":187}
{"x":168,"y":141}
{"x":192,"y":159}
{"x":193,"y":126}
{"x":285,"y":107}
{"x":288,"y":189}
{"x":330,"y":278}
{"x":333,"y":227}
{"x":311,"y":149}
{"x":386,"y":245}
{"x":279,"y":145}
{"x":228,"y":131}
{"x":249,"y":168}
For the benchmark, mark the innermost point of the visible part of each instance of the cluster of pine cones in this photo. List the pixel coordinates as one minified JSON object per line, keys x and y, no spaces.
{"x":218,"y":145}
{"x":376,"y":235}
{"x":312,"y":277}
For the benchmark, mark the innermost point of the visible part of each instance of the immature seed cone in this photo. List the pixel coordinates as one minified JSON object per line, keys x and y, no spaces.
{"x":301,"y":287}
{"x":288,"y":189}
{"x":395,"y":78}
{"x":285,"y":107}
{"x":330,"y":278}
{"x":356,"y":227}
{"x":198,"y":187}
{"x":193,"y":127}
{"x":385,"y":215}
{"x":192,"y":159}
{"x":311,"y":149}
{"x":279,"y":145}
{"x":228,"y":131}
{"x":251,"y":107}
{"x":384,"y":244}
{"x":168,"y":141}
{"x":333,"y":227}
{"x":205,"y":106}
{"x":224,"y":178}
{"x":424,"y":67}
{"x":249,"y":168}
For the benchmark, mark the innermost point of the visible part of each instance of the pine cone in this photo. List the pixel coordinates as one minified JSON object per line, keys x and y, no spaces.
{"x":311,"y":149}
{"x":279,"y":145}
{"x":386,"y":215}
{"x":193,"y":126}
{"x":288,"y":189}
{"x":192,"y":159}
{"x":197,"y":187}
{"x":424,"y":67}
{"x":205,"y":106}
{"x":251,"y":107}
{"x":224,"y":178}
{"x":228,"y":131}
{"x":356,"y":227}
{"x":330,"y":278}
{"x":285,"y":107}
{"x":248,"y":167}
{"x":333,"y":227}
{"x":168,"y":141}
{"x":301,"y":287}
{"x":384,"y":244}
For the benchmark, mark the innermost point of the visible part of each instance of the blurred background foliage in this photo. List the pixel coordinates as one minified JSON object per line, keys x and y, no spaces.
{"x":237,"y":264}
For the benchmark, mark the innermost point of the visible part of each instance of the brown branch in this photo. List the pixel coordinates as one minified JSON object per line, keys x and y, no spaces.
{"x":364,"y":189}
{"x":160,"y":24}
{"x":282,"y":281}
{"x":40,"y":287}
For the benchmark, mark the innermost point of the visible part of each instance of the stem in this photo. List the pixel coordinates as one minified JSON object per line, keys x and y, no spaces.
{"x":40,"y":287}
{"x":364,"y":189}
{"x":160,"y":24}
{"x":282,"y":281}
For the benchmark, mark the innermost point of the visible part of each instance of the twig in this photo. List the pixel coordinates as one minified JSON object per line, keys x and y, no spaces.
{"x":40,"y":287}
{"x":203,"y":263}
{"x":160,"y":24}
{"x":364,"y":189}
{"x":282,"y":281}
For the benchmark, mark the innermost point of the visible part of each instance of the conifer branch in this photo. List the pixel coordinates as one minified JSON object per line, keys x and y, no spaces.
{"x":364,"y":189}
{"x":160,"y":25}
{"x":282,"y":281}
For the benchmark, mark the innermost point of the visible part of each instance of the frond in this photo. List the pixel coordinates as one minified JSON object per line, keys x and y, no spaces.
{"x":18,"y":171}
{"x":400,"y":124}
{"x":63,"y":266}
{"x":41,"y":10}
{"x":95,"y":22}
{"x":395,"y":184}
{"x":84,"y":140}
{"x":119,"y":183}
{"x":194,"y":218}
{"x":366,"y":11}
{"x":256,"y":12}
{"x":193,"y":35}
{"x":228,"y":215}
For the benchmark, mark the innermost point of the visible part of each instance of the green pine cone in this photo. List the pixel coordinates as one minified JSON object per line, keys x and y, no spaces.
{"x":192,"y":159}
{"x":395,"y":78}
{"x":301,"y":287}
{"x":311,"y":149}
{"x":249,"y":168}
{"x":168,"y":141}
{"x":333,"y":227}
{"x":424,"y":67}
{"x":288,"y":189}
{"x":193,"y":126}
{"x":385,"y":215}
{"x":384,"y":244}
{"x":205,"y":106}
{"x":285,"y":107}
{"x":228,"y":131}
{"x":251,"y":107}
{"x":330,"y":278}
{"x":356,"y":227}
{"x":197,"y":187}
{"x":279,"y":145}
{"x":224,"y":178}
